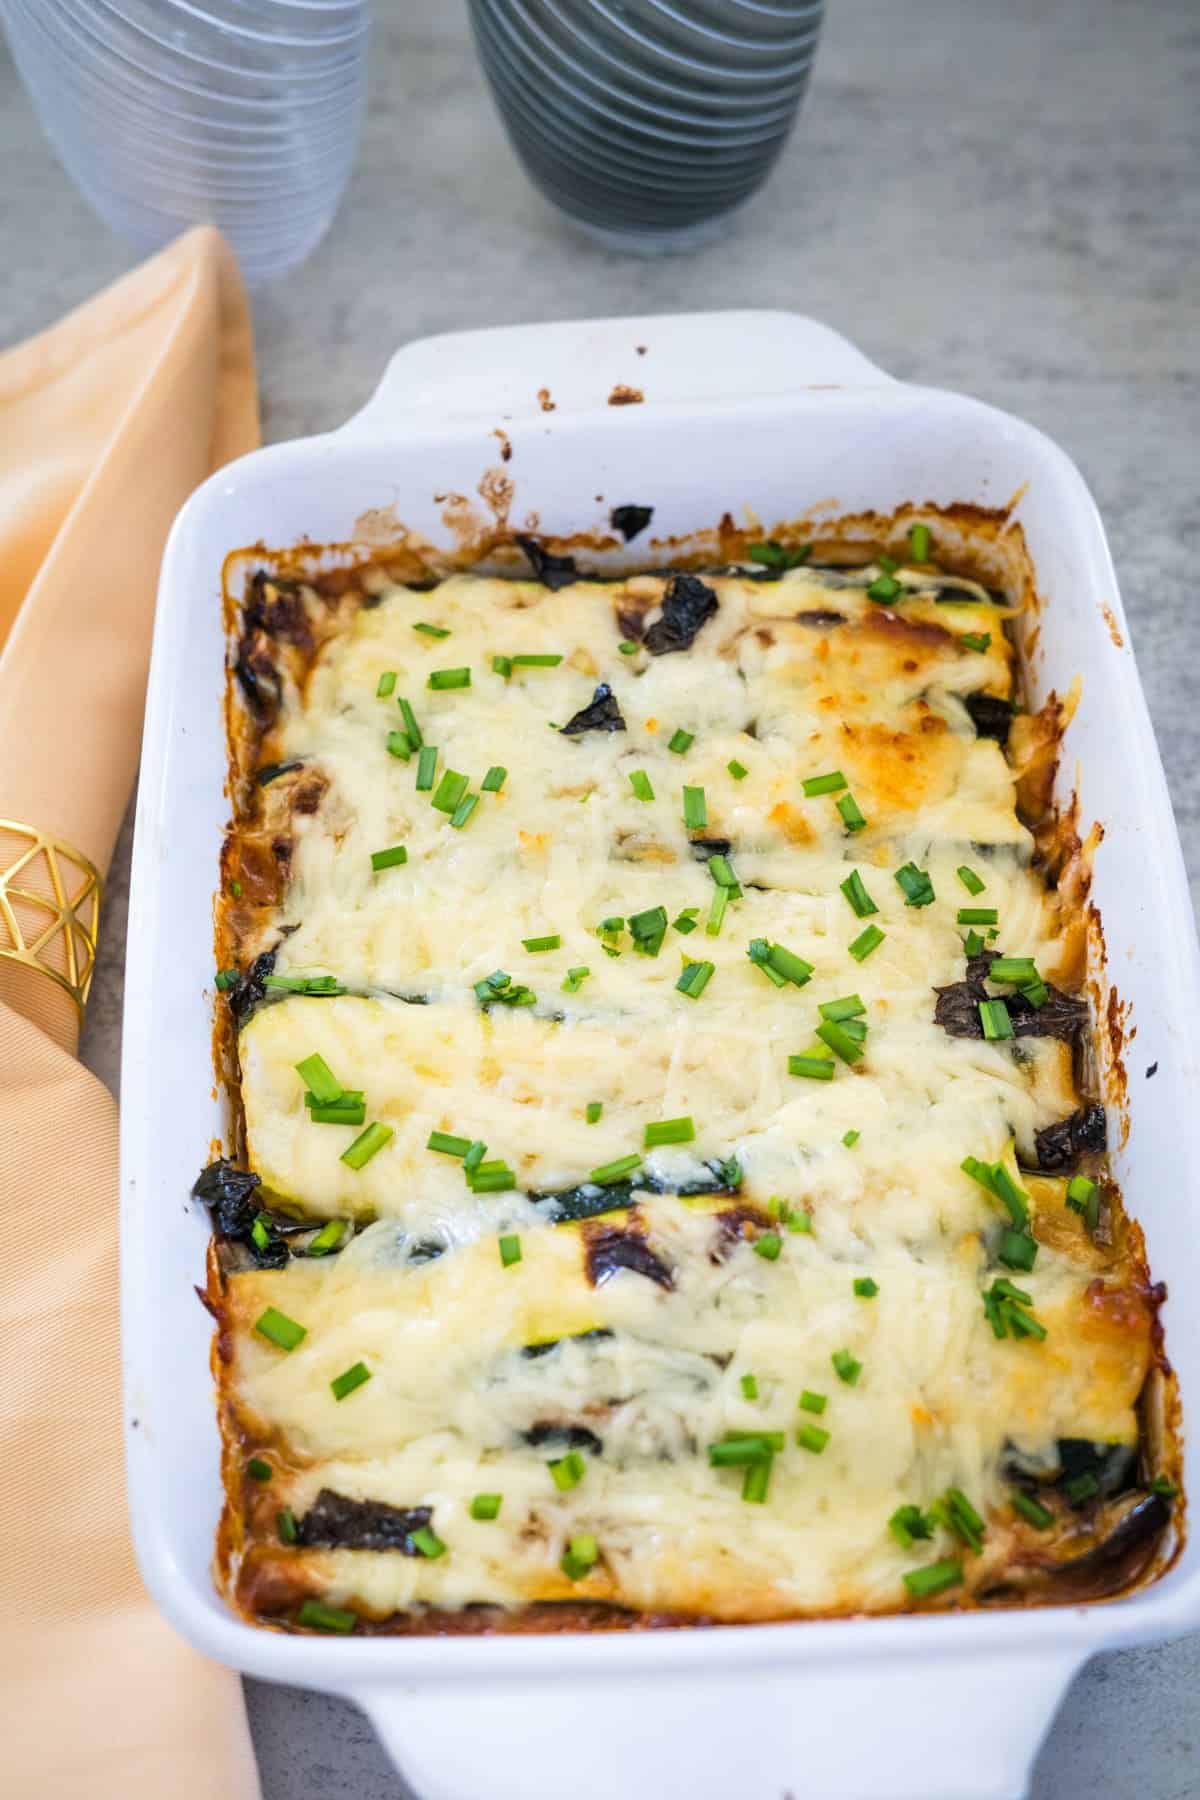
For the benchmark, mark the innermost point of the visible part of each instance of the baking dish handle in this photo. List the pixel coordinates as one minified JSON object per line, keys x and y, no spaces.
{"x":930,"y":1728}
{"x":549,"y":373}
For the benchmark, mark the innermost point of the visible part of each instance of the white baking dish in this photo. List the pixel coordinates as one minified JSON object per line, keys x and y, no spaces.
{"x":766,"y":410}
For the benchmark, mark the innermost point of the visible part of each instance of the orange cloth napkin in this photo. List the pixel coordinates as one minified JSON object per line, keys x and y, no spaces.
{"x":107,"y":422}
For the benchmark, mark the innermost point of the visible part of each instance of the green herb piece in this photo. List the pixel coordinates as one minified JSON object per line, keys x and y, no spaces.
{"x":225,"y":979}
{"x":343,"y":1112}
{"x":800,"y":1221}
{"x":934,"y":1578}
{"x":884,"y":587}
{"x":494,"y":780}
{"x":509,"y":1245}
{"x":839,"y":1041}
{"x":279,"y":1329}
{"x":535,"y":662}
{"x":567,"y":1471}
{"x":1081,"y":1488}
{"x":918,"y":543}
{"x":852,"y":817}
{"x":812,"y":1403}
{"x":832,"y":783}
{"x":648,"y":929}
{"x":1017,"y":1250}
{"x":354,"y":1377}
{"x":855,"y":892}
{"x":778,"y":962}
{"x":681,"y":741}
{"x":580,"y":1556}
{"x":907,"y":1524}
{"x":812,"y":1437}
{"x":502,"y":666}
{"x":1008,"y":1311}
{"x":749,"y":1387}
{"x":536,"y":945}
{"x":973,"y":943}
{"x":328,"y":1238}
{"x":978,"y":915}
{"x":639,"y":781}
{"x":450,"y":790}
{"x":366,"y":1145}
{"x":1033,"y":1510}
{"x":955,"y":1512}
{"x":969,"y":879}
{"x":285,"y":1525}
{"x":768,"y":1246}
{"x":721,"y":872}
{"x":319,"y":1617}
{"x":426,"y":768}
{"x":695,"y":810}
{"x":427,"y":1542}
{"x":994,"y":1017}
{"x":917,"y":887}
{"x":888,"y":564}
{"x":607,"y":1173}
{"x":976,"y":640}
{"x":1164,"y":1487}
{"x":389,"y":859}
{"x":448,"y":1145}
{"x":320,"y":1079}
{"x":669,"y":1131}
{"x":1012,"y":971}
{"x":696,"y":977}
{"x":850,"y":1138}
{"x":848,"y":1367}
{"x":472,"y":1161}
{"x":235,"y":888}
{"x":304,"y":984}
{"x":463,"y":811}
{"x":492,"y":1181}
{"x":258,"y":1470}
{"x":1079,"y":1192}
{"x":592,"y":1111}
{"x":627,"y":647}
{"x":575,"y":978}
{"x":260,"y":1231}
{"x":756,"y":1481}
{"x":433,"y":631}
{"x":443,"y":679}
{"x":865,"y":1287}
{"x":737,"y":1448}
{"x":398,"y":745}
{"x":486,"y":1506}
{"x":738,"y":770}
{"x":813,"y":1068}
{"x":387,"y":685}
{"x":868,"y":940}
{"x":685,"y":922}
{"x":776,"y":556}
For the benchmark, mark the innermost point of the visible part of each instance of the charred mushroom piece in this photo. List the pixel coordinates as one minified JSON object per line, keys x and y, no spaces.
{"x":250,"y":988}
{"x":1127,"y":1532}
{"x":563,"y":1436}
{"x":705,"y":847}
{"x":568,"y":1205}
{"x":552,"y":571}
{"x":334,"y":1522}
{"x":1059,"y":1144}
{"x":600,"y":714}
{"x":229,"y":1193}
{"x":611,"y":1249}
{"x":1113,"y":1467}
{"x":956,"y":1009}
{"x":258,"y":676}
{"x":630,"y":520}
{"x":272,"y":771}
{"x":990,"y":715}
{"x":686,"y":604}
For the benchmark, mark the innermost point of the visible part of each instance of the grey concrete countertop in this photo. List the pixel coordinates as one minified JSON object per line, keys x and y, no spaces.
{"x":1000,"y":199}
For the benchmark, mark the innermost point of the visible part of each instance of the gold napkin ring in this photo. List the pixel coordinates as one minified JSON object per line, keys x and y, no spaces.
{"x":72,"y":888}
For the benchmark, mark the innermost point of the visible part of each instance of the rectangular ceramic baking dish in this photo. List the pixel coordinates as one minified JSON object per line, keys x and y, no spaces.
{"x":772,"y":412}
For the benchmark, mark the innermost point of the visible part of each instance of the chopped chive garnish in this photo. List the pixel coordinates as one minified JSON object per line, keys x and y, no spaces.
{"x":398,"y":745}
{"x":738,"y":770}
{"x":814,"y":1068}
{"x":918,"y":888}
{"x":865,"y":942}
{"x":320,"y":1079}
{"x":969,"y":879}
{"x":716,"y":911}
{"x":448,"y":1145}
{"x":839,"y":1041}
{"x":685,"y":922}
{"x":833,"y":783}
{"x":427,"y":1542}
{"x":493,"y":781}
{"x":648,"y":929}
{"x":812,"y":1437}
{"x":918,"y":543}
{"x":1033,"y":1510}
{"x":463,"y":811}
{"x":1079,"y":1192}
{"x":1008,"y":1311}
{"x":235,"y":888}
{"x":857,"y":895}
{"x":852,"y":816}
{"x":1013,"y":970}
{"x":492,"y":1181}
{"x":535,"y":662}
{"x":777,"y":556}
{"x":696,"y":976}
{"x":387,"y":685}
{"x":721,"y":872}
{"x":502,"y":665}
{"x":865,"y":1287}
{"x":593,"y":1110}
{"x":994,"y":1017}
{"x":366,"y":1145}
{"x":1017,"y":1249}
{"x":279,"y":1329}
{"x":319,"y":1617}
{"x":580,"y":1556}
{"x":575,"y":978}
{"x":285,"y":1525}
{"x":740,"y":1447}
{"x":885,"y":587}
{"x":627,"y":647}
{"x":778,"y":963}
{"x":260,"y":1232}
{"x":486,"y":1506}
{"x":848,"y":1367}
{"x":225,"y":979}
{"x":669,"y":1131}
{"x":976,"y":640}
{"x":433,"y":631}
{"x":768,"y":1246}
{"x":607,"y":1173}
{"x":756,"y":1481}
{"x":681,"y":740}
{"x":1164,"y":1487}
{"x":342,"y":1112}
{"x":978,"y":915}
{"x":450,"y":790}
{"x":934,"y":1578}
{"x":973,"y":943}
{"x":749,"y":1387}
{"x":1081,"y":1487}
{"x":955,"y":1512}
{"x":351,"y":1378}
{"x":800,"y":1221}
{"x":639,"y":781}
{"x":907,"y":1524}
{"x":328,"y":1238}
{"x":258,"y":1470}
{"x":695,"y":810}
{"x":476,"y":1151}
{"x":411,"y":729}
{"x":442,"y":679}
{"x":888,"y":564}
{"x":304,"y":984}
{"x":848,"y":1008}
{"x":812,"y":1403}
{"x":389,"y":859}
{"x":538,"y":944}
{"x":850,"y":1138}
{"x":426,"y":768}
{"x":567,"y":1471}
{"x":510,"y":1249}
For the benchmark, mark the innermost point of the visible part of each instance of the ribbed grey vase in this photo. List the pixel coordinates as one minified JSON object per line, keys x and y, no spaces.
{"x":647,"y":121}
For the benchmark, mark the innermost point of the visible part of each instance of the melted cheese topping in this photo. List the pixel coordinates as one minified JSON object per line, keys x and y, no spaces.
{"x":652,"y":1366}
